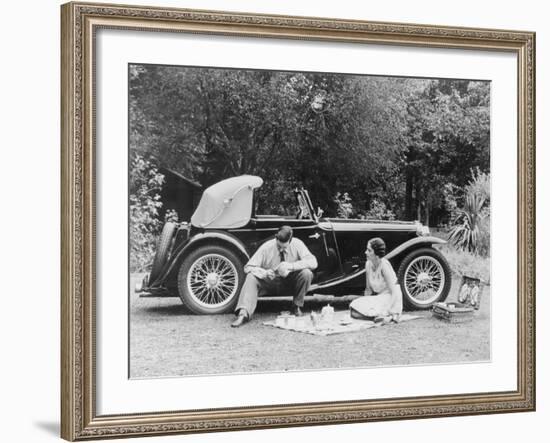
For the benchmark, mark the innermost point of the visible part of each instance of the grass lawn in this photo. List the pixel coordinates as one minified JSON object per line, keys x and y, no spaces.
{"x":166,"y":341}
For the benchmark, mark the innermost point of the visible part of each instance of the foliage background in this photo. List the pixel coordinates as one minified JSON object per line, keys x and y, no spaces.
{"x":364,"y":146}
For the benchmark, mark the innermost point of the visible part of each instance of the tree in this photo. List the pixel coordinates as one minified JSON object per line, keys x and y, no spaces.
{"x":396,"y":141}
{"x":448,"y":134}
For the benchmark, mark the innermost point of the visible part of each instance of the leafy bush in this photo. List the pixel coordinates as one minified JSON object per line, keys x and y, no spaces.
{"x":484,"y":237}
{"x":171,"y":215}
{"x":480,"y":184}
{"x":451,"y":194}
{"x":344,"y":207}
{"x":145,"y":185}
{"x":379,"y":211}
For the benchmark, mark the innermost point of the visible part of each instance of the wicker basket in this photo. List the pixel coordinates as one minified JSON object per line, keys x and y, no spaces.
{"x":453,"y":312}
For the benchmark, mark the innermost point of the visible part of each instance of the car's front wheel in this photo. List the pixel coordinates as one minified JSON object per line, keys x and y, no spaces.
{"x":425,"y":278}
{"x":210,"y":279}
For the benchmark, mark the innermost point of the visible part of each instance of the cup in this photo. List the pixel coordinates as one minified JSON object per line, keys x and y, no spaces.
{"x":291,"y":321}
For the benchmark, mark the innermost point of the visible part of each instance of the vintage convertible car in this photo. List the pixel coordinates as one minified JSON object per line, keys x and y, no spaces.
{"x":202,"y":261}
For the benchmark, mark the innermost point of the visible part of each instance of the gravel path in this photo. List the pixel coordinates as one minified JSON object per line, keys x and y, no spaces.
{"x":166,"y":341}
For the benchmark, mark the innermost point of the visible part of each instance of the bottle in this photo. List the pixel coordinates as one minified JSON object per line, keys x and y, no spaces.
{"x":327,"y":314}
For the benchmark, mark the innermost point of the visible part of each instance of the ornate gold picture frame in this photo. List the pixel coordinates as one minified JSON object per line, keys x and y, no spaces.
{"x":80,"y":23}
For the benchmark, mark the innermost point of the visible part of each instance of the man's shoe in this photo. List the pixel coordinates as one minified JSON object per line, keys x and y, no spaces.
{"x":382,"y":320}
{"x":297,"y":311}
{"x":241,"y":320}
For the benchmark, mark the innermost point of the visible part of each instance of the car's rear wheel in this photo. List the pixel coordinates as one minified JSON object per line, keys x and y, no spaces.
{"x":210,"y":279}
{"x":164,"y":245}
{"x":425,"y":278}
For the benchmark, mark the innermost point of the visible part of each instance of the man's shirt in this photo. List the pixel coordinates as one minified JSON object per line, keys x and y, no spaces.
{"x":268,"y":256}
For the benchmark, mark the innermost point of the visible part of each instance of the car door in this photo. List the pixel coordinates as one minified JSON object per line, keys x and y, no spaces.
{"x":321,"y":242}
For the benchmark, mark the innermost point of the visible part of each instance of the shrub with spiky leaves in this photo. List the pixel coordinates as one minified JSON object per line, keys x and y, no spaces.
{"x":466,"y":234}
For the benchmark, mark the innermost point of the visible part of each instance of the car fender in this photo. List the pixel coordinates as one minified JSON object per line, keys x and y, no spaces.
{"x":203,"y":237}
{"x":218,"y":235}
{"x":413,"y":244}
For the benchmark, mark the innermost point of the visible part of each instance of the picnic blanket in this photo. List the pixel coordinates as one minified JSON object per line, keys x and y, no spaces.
{"x":340,"y":324}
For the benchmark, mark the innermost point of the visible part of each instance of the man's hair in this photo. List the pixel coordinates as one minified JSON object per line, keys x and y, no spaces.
{"x":285,"y":234}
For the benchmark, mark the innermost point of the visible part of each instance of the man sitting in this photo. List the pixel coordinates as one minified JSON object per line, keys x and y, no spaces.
{"x":281,"y":264}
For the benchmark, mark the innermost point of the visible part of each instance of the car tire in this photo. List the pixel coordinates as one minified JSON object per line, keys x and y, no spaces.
{"x":210,"y":280}
{"x":425,"y":278}
{"x":163,"y":250}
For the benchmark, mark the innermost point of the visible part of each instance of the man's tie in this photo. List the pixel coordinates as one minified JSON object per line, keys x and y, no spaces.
{"x":282,"y":255}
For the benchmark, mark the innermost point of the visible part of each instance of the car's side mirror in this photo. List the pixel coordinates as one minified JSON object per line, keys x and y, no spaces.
{"x":319,"y":212}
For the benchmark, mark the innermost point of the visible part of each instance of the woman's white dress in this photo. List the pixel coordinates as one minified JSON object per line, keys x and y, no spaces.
{"x":384,"y":302}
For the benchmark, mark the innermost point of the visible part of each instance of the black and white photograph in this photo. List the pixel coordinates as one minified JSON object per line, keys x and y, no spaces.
{"x":290,"y":221}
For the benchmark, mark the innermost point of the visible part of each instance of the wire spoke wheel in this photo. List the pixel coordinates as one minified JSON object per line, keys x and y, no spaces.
{"x":212,"y":281}
{"x":425,"y":278}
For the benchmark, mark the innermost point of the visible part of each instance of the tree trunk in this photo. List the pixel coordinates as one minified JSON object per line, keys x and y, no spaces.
{"x":427,"y":200}
{"x":427,"y":223}
{"x":418,"y":202}
{"x":408,"y":195}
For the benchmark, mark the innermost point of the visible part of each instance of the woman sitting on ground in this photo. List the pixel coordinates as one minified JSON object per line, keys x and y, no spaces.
{"x":383,"y":301}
